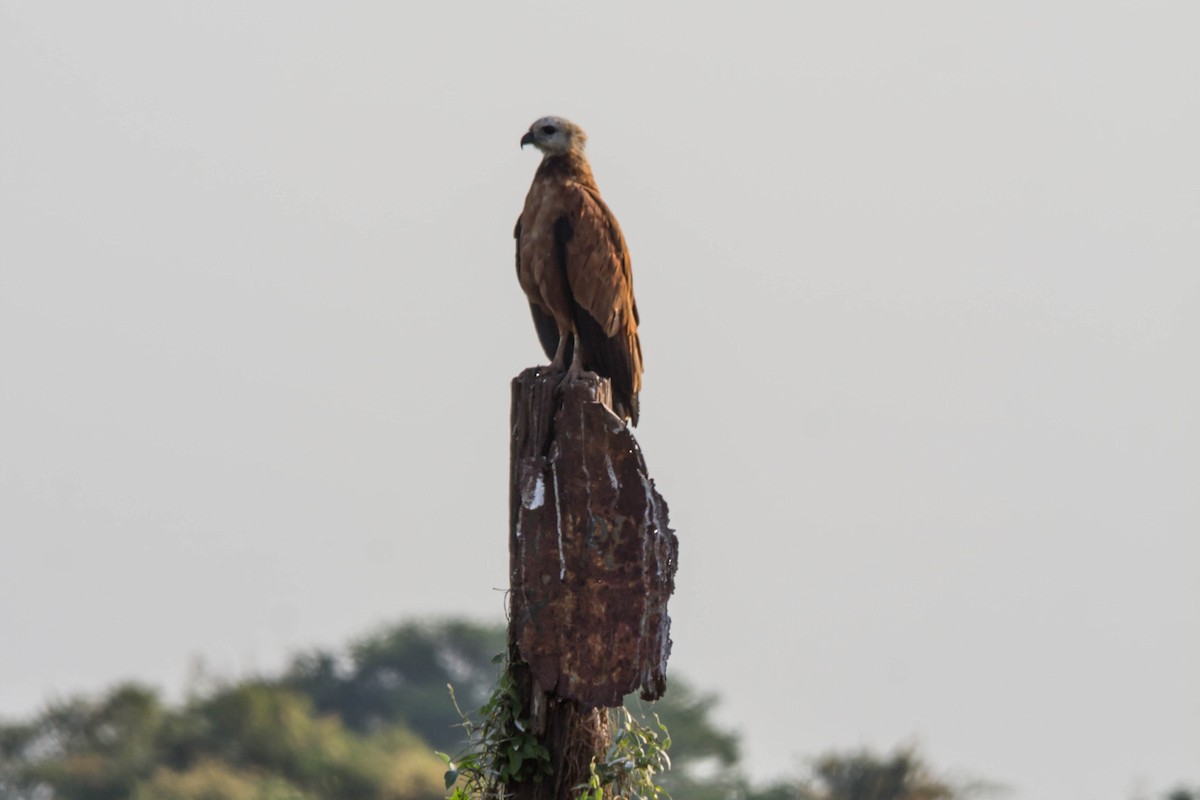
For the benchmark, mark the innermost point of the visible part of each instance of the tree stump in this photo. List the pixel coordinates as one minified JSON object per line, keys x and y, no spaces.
{"x":592,"y":564}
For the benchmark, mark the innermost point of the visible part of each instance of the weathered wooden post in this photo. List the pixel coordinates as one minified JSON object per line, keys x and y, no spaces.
{"x":592,"y":563}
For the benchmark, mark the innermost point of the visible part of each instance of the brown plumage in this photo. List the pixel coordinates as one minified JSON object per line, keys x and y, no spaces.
{"x":574,"y":266}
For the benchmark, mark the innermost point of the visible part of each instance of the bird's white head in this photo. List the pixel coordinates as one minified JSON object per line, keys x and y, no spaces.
{"x":555,"y":136}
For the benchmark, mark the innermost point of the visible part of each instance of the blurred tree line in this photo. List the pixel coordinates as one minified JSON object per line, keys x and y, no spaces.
{"x":363,"y":725}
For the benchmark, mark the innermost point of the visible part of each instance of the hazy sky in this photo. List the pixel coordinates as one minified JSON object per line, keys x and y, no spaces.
{"x":920,"y":289}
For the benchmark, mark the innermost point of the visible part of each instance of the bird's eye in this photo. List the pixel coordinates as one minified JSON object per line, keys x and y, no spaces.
{"x":548,"y":130}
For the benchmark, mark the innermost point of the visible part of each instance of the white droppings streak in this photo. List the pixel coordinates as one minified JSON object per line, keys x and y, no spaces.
{"x":650,"y":521}
{"x":562,"y":561}
{"x":612,"y":476}
{"x":647,"y":524}
{"x":539,"y":494}
{"x":521,"y":556}
{"x":587,"y":477}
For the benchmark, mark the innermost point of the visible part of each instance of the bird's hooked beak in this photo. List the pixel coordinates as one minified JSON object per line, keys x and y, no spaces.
{"x":527,"y":139}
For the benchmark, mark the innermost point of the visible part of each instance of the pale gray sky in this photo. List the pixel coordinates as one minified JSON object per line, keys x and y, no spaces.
{"x":920,"y":298}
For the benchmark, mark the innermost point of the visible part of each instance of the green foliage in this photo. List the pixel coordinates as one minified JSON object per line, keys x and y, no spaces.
{"x":272,"y":729}
{"x":864,"y":776}
{"x":637,"y":755}
{"x":362,"y":726}
{"x":401,"y":674}
{"x":501,"y":750}
{"x":255,"y":740}
{"x":213,"y":780}
{"x":704,"y":757}
{"x":83,"y":749}
{"x":500,"y":747}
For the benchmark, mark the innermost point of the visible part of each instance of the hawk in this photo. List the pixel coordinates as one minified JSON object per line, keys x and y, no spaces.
{"x":573,"y":264}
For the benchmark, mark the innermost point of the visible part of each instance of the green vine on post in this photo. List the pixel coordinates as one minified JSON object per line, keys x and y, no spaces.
{"x":501,"y":749}
{"x":635,"y":757}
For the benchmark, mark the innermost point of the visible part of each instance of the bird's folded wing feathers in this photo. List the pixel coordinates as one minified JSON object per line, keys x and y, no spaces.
{"x":598,"y":262}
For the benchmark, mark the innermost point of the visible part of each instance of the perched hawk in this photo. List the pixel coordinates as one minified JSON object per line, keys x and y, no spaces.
{"x":573,"y":264}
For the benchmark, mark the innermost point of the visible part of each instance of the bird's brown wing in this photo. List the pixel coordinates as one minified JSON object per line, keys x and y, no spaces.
{"x":590,"y":250}
{"x":543,"y":322}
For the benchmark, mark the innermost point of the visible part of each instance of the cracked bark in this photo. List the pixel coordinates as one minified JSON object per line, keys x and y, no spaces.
{"x":592,"y":564}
